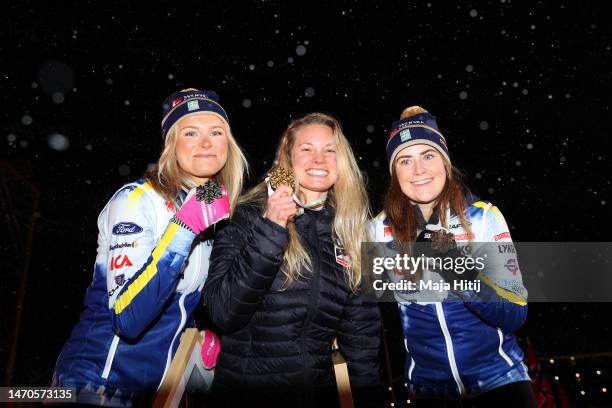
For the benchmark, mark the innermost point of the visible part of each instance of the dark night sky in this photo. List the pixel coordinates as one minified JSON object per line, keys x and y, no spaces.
{"x":521,"y":91}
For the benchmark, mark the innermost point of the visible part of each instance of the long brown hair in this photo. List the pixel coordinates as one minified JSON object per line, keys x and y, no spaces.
{"x":400,"y":211}
{"x":347,"y":196}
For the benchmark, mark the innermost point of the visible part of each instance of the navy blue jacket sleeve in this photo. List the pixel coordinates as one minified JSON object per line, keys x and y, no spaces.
{"x":247,"y":254}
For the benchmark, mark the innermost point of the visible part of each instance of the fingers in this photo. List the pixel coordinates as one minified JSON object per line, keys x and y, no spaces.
{"x":282,"y":191}
{"x":281,"y":206}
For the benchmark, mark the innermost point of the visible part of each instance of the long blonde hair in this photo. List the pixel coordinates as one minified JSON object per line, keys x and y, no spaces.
{"x":167,"y":177}
{"x":347,"y":196}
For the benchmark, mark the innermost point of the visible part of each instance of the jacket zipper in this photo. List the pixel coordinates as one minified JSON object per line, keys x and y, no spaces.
{"x":501,"y":350}
{"x":176,"y":334}
{"x":313,"y":301}
{"x":110,"y":357}
{"x":449,"y":348}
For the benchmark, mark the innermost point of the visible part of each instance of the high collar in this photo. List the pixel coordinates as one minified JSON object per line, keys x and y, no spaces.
{"x":434,"y":219}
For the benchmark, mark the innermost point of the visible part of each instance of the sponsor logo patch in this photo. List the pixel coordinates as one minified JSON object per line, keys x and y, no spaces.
{"x":506,"y":249}
{"x":119,"y":262}
{"x":503,"y":235}
{"x":386,"y":231}
{"x":465,"y":237}
{"x":512,"y":266}
{"x":458,"y":225}
{"x":122,"y":245}
{"x":193,"y":105}
{"x":119,"y":281}
{"x":405,"y":135}
{"x":126,"y":228}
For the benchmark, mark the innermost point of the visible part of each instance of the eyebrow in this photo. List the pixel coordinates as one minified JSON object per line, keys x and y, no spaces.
{"x":406,"y":156}
{"x":198,"y":127}
{"x":309,"y":143}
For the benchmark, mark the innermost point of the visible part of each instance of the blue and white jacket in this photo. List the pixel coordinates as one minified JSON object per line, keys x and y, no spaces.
{"x":460,"y":347}
{"x":141,"y":298}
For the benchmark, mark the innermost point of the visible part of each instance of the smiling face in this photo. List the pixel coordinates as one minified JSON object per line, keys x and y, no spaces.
{"x":313,"y":157}
{"x":201,"y":145}
{"x":421,"y":174}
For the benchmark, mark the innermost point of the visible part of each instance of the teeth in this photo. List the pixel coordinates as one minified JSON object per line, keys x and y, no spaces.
{"x":421,"y":182}
{"x":317,"y":172}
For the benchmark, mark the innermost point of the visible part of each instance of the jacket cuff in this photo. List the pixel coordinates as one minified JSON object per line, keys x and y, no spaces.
{"x":180,"y":238}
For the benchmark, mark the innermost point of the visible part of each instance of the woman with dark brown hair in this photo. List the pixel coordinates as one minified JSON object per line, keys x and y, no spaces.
{"x":459,"y":340}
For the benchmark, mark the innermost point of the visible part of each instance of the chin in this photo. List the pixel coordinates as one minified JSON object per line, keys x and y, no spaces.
{"x":318,"y":188}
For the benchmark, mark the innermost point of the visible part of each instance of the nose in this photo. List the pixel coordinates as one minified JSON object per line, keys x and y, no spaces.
{"x":205,"y":141}
{"x":318,"y":157}
{"x":418,"y":168}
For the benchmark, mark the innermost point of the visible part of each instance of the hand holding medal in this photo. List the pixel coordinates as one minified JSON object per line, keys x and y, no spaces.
{"x":280,"y":207}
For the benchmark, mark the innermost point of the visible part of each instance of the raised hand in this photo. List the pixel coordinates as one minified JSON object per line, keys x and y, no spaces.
{"x":281,"y":207}
{"x":204,"y":206}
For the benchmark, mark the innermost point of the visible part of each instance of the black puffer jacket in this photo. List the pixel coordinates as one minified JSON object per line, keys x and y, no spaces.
{"x":277,"y":342}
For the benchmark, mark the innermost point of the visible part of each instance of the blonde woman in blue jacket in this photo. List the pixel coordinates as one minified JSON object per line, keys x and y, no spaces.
{"x":152,"y":259}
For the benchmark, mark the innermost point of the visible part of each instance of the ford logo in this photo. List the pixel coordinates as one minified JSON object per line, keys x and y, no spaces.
{"x":126,"y":228}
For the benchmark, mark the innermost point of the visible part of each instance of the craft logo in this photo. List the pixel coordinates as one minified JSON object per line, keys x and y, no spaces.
{"x":503,"y":235}
{"x":176,"y":101}
{"x":126,"y":228}
{"x":386,"y":231}
{"x":119,"y":262}
{"x":512,"y":266}
{"x":405,"y":135}
{"x":427,"y":235}
{"x":193,"y":105}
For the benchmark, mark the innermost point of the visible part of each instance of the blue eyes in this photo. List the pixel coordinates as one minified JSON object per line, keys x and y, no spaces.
{"x":193,"y":133}
{"x":308,"y":149}
{"x":407,"y":162}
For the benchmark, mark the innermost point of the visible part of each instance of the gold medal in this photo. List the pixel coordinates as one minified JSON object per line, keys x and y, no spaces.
{"x":280,"y":176}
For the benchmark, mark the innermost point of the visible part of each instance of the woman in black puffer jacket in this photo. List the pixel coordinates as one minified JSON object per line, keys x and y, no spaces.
{"x":285,"y":275}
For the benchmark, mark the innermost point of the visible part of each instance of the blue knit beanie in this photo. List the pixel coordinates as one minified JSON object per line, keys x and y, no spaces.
{"x":419,"y":128}
{"x":186,"y":102}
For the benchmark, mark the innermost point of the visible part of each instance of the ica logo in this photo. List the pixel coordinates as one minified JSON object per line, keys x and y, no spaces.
{"x":119,"y":262}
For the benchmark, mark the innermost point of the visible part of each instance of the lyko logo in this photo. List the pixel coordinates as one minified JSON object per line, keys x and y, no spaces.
{"x":120,"y":261}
